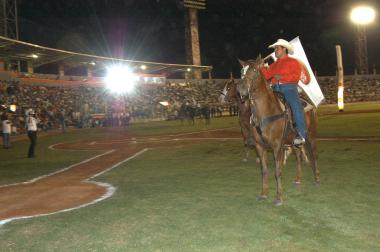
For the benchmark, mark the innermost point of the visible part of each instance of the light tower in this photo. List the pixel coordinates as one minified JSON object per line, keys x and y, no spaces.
{"x":362,"y":16}
{"x":193,"y":53}
{"x":9,"y":27}
{"x":8,"y":19}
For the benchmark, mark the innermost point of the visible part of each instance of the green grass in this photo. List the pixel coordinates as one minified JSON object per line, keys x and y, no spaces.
{"x":168,"y":200}
{"x":16,"y":167}
{"x":360,"y":125}
{"x":173,"y":127}
{"x":202,"y":198}
{"x":349,"y":107}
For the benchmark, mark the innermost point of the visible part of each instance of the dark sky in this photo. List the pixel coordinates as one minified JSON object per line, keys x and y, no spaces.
{"x":153,"y":30}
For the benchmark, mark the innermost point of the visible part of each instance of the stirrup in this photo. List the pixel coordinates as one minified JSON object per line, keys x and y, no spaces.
{"x":299,"y":141}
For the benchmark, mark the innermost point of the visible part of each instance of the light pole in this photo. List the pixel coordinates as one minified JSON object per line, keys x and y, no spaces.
{"x":192,"y":34}
{"x":362,"y":16}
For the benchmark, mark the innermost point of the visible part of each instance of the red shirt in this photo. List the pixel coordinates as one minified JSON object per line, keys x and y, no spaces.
{"x":289,"y":69}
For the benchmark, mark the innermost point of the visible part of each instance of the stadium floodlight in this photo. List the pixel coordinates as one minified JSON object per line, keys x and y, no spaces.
{"x":362,"y":15}
{"x":143,"y":67}
{"x":34,"y":56}
{"x":188,"y":69}
{"x":120,"y":79}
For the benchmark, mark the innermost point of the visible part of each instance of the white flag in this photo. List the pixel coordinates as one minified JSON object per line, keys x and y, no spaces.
{"x":312,"y":89}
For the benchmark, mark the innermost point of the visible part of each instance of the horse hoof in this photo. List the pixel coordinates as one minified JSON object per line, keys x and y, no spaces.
{"x":261,"y":198}
{"x":296,"y":182}
{"x":258,"y":160}
{"x":244,"y":160}
{"x":277,"y":202}
{"x":317,"y":183}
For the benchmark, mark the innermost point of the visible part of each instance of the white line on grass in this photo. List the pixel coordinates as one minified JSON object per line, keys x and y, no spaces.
{"x":59,"y":171}
{"x":175,"y":139}
{"x":110,"y":190}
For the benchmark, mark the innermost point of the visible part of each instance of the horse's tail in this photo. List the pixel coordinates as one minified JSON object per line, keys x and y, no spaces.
{"x":310,"y":141}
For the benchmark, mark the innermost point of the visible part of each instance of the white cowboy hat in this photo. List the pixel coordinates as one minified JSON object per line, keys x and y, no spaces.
{"x":284,"y":43}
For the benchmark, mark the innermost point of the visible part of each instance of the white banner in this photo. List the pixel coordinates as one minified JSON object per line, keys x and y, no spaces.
{"x":312,"y":90}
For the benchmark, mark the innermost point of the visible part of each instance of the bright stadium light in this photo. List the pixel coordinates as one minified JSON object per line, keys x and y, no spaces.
{"x":34,"y":56}
{"x":120,"y":79}
{"x":143,"y":67}
{"x":362,"y":15}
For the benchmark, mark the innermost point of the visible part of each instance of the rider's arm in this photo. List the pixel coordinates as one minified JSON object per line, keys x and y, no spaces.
{"x":267,"y":72}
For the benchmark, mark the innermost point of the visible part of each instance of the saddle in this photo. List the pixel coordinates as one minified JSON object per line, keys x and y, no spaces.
{"x":286,"y":113}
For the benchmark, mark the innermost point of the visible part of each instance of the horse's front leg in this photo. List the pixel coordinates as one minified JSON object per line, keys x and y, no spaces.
{"x":262,"y":154}
{"x":246,"y":152}
{"x":298,"y":153}
{"x":279,"y":159}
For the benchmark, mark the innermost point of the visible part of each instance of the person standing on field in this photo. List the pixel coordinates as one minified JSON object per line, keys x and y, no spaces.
{"x":7,"y":129}
{"x":31,"y":125}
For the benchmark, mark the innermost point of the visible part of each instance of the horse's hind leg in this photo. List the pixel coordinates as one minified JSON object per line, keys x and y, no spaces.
{"x":297,"y":179}
{"x":246,"y":152}
{"x":311,"y":147}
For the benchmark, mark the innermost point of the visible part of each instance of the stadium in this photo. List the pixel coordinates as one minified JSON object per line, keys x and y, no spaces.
{"x":148,"y":156}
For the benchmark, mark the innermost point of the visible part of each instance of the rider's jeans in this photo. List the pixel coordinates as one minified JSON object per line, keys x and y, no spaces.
{"x":292,"y":97}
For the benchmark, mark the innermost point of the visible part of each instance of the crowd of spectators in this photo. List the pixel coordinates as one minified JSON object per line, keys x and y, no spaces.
{"x":80,"y":106}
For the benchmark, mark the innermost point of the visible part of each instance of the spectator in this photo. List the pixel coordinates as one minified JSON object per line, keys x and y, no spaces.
{"x":6,"y":131}
{"x":61,"y":118}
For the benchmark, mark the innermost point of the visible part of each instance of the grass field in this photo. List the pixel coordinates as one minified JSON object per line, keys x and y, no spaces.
{"x":201,"y":197}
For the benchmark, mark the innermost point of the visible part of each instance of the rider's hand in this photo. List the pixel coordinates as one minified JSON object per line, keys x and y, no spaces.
{"x":277,"y":77}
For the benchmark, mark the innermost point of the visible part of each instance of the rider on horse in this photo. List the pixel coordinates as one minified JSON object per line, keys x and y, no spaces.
{"x":284,"y":75}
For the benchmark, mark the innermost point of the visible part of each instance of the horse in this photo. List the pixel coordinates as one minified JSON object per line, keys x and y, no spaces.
{"x":231,"y":94}
{"x":187,"y":112}
{"x":273,"y":127}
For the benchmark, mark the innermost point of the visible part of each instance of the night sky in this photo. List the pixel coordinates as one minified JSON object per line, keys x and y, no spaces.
{"x":153,"y":30}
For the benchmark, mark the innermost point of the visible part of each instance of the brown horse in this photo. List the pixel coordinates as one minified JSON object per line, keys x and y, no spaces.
{"x":231,"y":94}
{"x":273,"y":127}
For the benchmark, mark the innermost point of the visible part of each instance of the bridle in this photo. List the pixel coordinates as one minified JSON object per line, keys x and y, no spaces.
{"x":251,"y":88}
{"x":252,"y":95}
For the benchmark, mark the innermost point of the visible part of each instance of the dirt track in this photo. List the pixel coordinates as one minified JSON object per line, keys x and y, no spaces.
{"x":72,"y":188}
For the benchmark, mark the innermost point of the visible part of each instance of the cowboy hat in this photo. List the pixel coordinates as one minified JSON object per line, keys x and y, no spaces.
{"x":283,"y":43}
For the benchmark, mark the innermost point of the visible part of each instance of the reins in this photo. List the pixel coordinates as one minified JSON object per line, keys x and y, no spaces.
{"x":261,"y":124}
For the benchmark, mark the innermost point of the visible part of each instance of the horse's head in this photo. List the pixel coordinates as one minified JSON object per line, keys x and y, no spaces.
{"x":250,"y":77}
{"x":230,"y":92}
